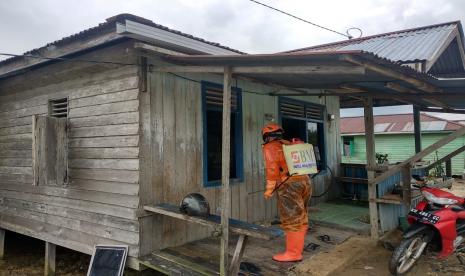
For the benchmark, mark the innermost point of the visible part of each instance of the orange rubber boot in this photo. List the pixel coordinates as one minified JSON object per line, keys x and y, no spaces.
{"x":294,"y":246}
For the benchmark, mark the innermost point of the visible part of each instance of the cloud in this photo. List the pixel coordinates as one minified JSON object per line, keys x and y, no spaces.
{"x":237,"y":23}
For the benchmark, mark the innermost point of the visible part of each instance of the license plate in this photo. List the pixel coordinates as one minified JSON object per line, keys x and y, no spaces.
{"x":424,"y":216}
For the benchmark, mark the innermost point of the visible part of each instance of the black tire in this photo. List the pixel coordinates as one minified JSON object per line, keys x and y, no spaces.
{"x":400,"y":251}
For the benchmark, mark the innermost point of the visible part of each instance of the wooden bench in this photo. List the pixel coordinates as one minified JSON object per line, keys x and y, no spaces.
{"x":243,"y":229}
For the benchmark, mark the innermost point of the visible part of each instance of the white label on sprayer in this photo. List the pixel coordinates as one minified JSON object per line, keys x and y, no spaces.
{"x":300,"y":159}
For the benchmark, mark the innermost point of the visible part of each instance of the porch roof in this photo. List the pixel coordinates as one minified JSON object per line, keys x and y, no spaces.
{"x":351,"y":75}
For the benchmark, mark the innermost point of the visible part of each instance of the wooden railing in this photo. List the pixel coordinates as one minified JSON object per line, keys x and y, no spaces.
{"x":405,"y":167}
{"x":409,"y":162}
{"x":447,"y":158}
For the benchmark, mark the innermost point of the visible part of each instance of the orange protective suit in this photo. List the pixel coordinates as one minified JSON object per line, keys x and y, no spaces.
{"x":293,"y":192}
{"x":293,"y":200}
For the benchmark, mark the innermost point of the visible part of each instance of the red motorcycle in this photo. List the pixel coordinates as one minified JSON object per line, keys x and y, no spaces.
{"x":437,"y":222}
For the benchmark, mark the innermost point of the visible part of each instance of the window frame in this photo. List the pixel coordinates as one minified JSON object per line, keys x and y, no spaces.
{"x":205,"y":85}
{"x":321,"y":135}
{"x":351,"y":145}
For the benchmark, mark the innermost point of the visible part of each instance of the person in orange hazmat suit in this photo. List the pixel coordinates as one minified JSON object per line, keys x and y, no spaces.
{"x":293,"y":193}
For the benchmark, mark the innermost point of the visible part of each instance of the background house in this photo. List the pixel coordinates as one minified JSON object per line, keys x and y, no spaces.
{"x":394,"y":136}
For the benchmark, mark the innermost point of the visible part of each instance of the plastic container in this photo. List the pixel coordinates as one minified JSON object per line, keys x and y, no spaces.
{"x":403,"y":223}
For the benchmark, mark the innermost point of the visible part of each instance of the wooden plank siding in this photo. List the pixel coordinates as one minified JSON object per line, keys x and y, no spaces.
{"x":101,"y":201}
{"x":128,"y":148}
{"x":176,"y":152}
{"x":402,"y":146}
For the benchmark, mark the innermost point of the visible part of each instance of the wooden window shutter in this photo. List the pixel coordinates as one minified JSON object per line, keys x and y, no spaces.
{"x":49,"y":150}
{"x":301,"y":110}
{"x":292,"y":109}
{"x":214,"y":98}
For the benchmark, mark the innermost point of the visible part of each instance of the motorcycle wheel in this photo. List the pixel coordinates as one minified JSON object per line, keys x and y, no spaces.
{"x":407,"y":254}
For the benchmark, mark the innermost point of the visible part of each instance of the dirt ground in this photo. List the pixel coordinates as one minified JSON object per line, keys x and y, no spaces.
{"x":25,"y":256}
{"x":458,"y":187}
{"x":373,"y":261}
{"x":362,"y":256}
{"x":366,"y":257}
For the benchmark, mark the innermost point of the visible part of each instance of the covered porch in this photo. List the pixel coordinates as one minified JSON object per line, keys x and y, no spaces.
{"x":360,"y":79}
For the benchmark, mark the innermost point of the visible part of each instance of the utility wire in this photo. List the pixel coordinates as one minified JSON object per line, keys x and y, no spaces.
{"x":301,"y":19}
{"x":124,"y":64}
{"x":117,"y":63}
{"x":71,"y":59}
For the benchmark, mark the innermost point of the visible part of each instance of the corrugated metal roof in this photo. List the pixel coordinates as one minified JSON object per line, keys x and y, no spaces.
{"x":110,"y":24}
{"x":398,"y":123}
{"x":372,"y":80}
{"x":381,"y":127}
{"x":426,"y":126}
{"x":303,"y":58}
{"x":403,"y":46}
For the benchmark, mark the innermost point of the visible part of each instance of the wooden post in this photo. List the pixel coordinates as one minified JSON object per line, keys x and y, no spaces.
{"x":417,"y":128}
{"x":238,"y":253}
{"x":449,"y":168}
{"x":2,"y":244}
{"x":50,"y":254}
{"x":371,"y":163}
{"x":225,"y":151}
{"x":406,"y":188}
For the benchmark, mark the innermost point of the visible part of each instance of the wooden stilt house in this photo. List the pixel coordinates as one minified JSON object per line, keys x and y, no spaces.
{"x":87,"y":140}
{"x":130,"y":114}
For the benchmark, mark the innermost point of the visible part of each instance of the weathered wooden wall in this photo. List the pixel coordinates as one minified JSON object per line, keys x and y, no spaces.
{"x":99,"y":205}
{"x":174,"y":147}
{"x":127,"y":148}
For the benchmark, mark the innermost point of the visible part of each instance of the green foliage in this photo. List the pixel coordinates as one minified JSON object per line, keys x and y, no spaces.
{"x":381,"y":158}
{"x":438,"y":169}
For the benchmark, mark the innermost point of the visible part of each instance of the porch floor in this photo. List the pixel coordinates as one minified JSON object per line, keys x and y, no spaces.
{"x":202,"y":257}
{"x":342,"y":214}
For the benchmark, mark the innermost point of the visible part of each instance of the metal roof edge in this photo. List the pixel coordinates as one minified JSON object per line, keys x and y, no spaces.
{"x":457,"y":22}
{"x":276,"y":55}
{"x":460,"y":28}
{"x":69,"y":55}
{"x":99,"y":29}
{"x":107,"y":27}
{"x":141,"y":20}
{"x":404,"y":69}
{"x":364,"y":55}
{"x":150,"y":33}
{"x":407,"y":114}
{"x":441,"y":119}
{"x":462,"y":39}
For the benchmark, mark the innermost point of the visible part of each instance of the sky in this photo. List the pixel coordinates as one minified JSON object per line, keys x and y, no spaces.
{"x":239,"y":24}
